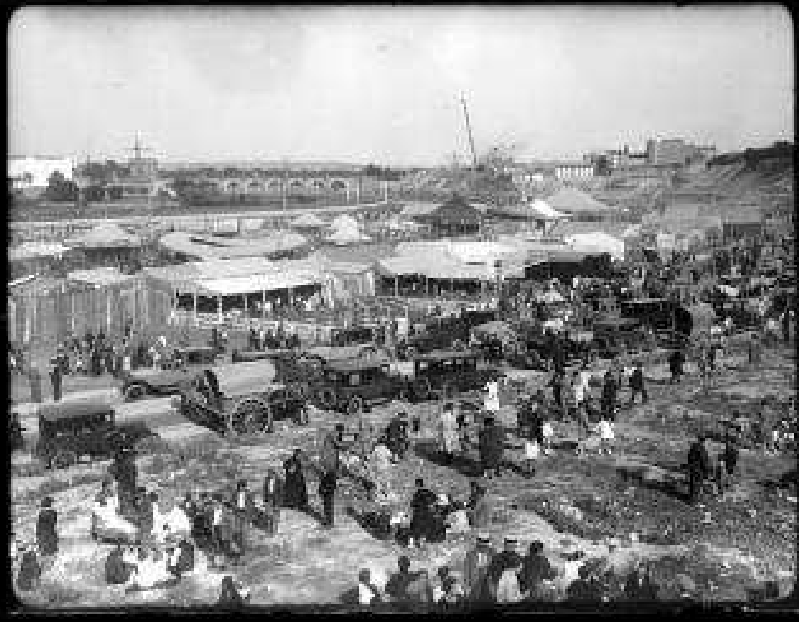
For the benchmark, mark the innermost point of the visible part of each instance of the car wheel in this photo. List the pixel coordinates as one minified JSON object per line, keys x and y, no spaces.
{"x":355,"y":405}
{"x":301,"y":418}
{"x":250,"y":416}
{"x":135,"y":392}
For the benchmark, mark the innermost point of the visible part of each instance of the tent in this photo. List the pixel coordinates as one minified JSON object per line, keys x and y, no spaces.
{"x":454,"y":213}
{"x":212,"y":247}
{"x":543,"y":211}
{"x":573,"y":201}
{"x":309,"y":221}
{"x":550,"y":297}
{"x":495,"y":328}
{"x":33,"y":250}
{"x":105,"y":236}
{"x":346,"y":231}
{"x":597,"y":242}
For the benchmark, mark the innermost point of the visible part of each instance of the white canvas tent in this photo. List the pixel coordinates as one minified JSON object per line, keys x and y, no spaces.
{"x":346,"y":231}
{"x":541,"y":210}
{"x":597,"y":242}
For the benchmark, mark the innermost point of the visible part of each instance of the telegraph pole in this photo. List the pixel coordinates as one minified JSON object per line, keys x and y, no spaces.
{"x":471,"y":138}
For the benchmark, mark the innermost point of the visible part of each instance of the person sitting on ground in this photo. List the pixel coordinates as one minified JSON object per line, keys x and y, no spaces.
{"x":30,"y":570}
{"x":117,"y":571}
{"x":586,"y":588}
{"x":397,"y":584}
{"x":367,"y":592}
{"x":233,"y":594}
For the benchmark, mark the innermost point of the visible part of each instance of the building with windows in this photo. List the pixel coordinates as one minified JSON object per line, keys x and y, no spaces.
{"x":565,"y":171}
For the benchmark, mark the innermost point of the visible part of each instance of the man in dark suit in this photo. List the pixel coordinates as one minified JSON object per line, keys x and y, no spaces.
{"x":698,"y":467}
{"x":327,"y":490}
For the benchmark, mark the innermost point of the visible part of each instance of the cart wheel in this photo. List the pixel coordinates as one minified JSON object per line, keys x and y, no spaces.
{"x":355,"y":405}
{"x":65,"y":459}
{"x":135,"y":392}
{"x":328,"y":399}
{"x":250,"y":416}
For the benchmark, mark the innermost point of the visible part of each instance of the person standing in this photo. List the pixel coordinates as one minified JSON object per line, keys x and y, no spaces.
{"x":296,"y":490}
{"x":503,"y":571}
{"x":637,"y":385}
{"x":535,"y":570}
{"x":35,"y":381}
{"x":491,"y":448}
{"x":242,"y":515}
{"x":699,"y":468}
{"x":55,"y":380}
{"x":30,"y":570}
{"x":676,"y":359}
{"x":609,"y":390}
{"x":327,"y":490}
{"x":421,"y":509}
{"x":450,"y":439}
{"x":478,"y":508}
{"x":273,"y":499}
{"x":475,"y":571}
{"x":46,"y":529}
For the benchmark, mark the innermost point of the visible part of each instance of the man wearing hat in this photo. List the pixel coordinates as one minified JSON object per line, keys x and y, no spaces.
{"x":475,"y":570}
{"x":55,"y":378}
{"x":535,"y":570}
{"x":507,"y":559}
{"x":397,"y":584}
{"x":422,"y":512}
{"x":698,"y":467}
{"x":46,"y":533}
{"x":491,"y":448}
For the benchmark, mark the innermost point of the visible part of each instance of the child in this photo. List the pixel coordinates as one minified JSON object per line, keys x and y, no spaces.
{"x":606,"y":435}
{"x":531,"y":454}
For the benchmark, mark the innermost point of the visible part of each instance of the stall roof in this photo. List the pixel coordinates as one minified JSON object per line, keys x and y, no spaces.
{"x":211,"y":247}
{"x":101,"y":277}
{"x":256,"y":283}
{"x":31,"y":250}
{"x":571,"y":200}
{"x":454,"y":211}
{"x":309,"y":221}
{"x":105,"y":236}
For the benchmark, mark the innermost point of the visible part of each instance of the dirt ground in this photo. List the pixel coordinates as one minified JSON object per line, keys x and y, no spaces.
{"x":618,"y":507}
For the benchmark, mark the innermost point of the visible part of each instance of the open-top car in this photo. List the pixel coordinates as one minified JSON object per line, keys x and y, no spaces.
{"x":616,"y":334}
{"x":162,"y":382}
{"x":232,"y":410}
{"x":68,"y":431}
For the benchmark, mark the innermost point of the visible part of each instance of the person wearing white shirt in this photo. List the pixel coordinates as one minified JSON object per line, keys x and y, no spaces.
{"x":606,"y":435}
{"x":367,"y":593}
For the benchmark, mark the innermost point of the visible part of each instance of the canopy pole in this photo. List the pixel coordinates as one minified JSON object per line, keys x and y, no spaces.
{"x":263,"y":303}
{"x":194,"y":307}
{"x":396,"y":286}
{"x":219,"y":308}
{"x":245,"y":304}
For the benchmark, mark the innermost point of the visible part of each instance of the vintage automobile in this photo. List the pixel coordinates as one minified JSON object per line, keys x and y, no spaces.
{"x":234,"y":411}
{"x":661,"y":315}
{"x":611,"y":336}
{"x":447,"y":373}
{"x":441,"y":333}
{"x":352,"y":336}
{"x":247,"y":356}
{"x":353,"y":385}
{"x":162,"y":382}
{"x":68,"y":431}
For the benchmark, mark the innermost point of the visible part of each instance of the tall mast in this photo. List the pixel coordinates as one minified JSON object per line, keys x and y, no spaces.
{"x":471,"y":138}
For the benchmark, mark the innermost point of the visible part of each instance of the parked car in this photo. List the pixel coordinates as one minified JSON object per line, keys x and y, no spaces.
{"x":447,"y":373}
{"x":141,"y":383}
{"x":612,"y":335}
{"x":69,"y":431}
{"x":353,"y":385}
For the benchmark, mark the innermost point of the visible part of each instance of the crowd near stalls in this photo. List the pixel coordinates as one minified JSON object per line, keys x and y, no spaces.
{"x":453,"y":319}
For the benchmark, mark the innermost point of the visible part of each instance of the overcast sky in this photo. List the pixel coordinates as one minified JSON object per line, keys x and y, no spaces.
{"x":383,"y":84}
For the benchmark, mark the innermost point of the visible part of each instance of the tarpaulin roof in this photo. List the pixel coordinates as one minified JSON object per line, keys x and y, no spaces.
{"x":451,"y":260}
{"x":454,"y":211}
{"x":31,"y":250}
{"x":572,"y":200}
{"x":105,"y":236}
{"x":101,"y":277}
{"x":345,"y":221}
{"x":599,"y":242}
{"x":495,"y":328}
{"x":212,"y":247}
{"x":225,"y":277}
{"x":309,"y":221}
{"x":417,"y":209}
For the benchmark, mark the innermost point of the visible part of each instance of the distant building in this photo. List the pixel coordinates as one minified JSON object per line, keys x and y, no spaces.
{"x":34,"y":173}
{"x":676,"y":152}
{"x":574,"y":170}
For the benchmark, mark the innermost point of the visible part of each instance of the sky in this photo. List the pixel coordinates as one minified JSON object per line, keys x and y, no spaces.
{"x":383,"y":84}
